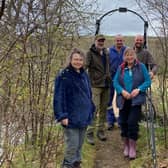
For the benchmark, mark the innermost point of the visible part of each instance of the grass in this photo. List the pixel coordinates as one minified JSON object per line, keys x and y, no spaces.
{"x":29,"y":157}
{"x":88,"y":155}
{"x":144,"y":153}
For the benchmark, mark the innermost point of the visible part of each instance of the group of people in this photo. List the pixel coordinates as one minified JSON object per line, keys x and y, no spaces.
{"x":127,"y":70}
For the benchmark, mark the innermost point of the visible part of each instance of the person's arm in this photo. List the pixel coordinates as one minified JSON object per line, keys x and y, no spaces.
{"x":144,"y":85}
{"x":118,"y":87}
{"x":88,"y":59}
{"x":116,"y":84}
{"x":147,"y":80}
{"x":90,"y":94}
{"x":59,"y":101}
{"x":152,"y":65}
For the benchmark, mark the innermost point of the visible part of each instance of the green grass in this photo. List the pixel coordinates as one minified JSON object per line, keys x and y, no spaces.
{"x":29,"y":157}
{"x":88,"y":155}
{"x":144,"y":154}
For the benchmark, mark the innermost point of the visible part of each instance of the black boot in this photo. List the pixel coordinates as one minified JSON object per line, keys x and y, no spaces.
{"x":67,"y":166}
{"x":90,"y":138}
{"x":101,"y":135}
{"x":110,"y":127}
{"x":77,"y":164}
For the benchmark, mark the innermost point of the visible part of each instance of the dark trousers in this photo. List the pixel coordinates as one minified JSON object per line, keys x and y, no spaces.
{"x":129,"y":119}
{"x":110,"y":113}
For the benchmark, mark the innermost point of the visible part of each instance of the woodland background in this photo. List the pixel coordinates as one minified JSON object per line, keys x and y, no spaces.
{"x":36,"y":37}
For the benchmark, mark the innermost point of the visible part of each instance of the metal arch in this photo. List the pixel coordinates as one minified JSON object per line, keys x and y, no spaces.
{"x":121,"y":9}
{"x":151,"y":109}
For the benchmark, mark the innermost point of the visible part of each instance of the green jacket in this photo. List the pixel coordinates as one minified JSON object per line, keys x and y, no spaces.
{"x":98,"y":72}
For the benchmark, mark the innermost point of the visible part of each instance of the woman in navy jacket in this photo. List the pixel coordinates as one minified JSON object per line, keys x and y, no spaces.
{"x":131,"y":81}
{"x":73,"y":106}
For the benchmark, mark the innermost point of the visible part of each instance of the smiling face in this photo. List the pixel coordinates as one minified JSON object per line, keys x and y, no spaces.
{"x":139,"y":40}
{"x":99,"y":43}
{"x":119,"y":41}
{"x":77,"y":61}
{"x":129,"y":56}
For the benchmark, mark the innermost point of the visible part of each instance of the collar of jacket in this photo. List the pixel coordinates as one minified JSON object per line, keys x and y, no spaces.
{"x":124,"y":64}
{"x":115,"y":50}
{"x":72,"y":70}
{"x":94,"y":49}
{"x":138,"y":49}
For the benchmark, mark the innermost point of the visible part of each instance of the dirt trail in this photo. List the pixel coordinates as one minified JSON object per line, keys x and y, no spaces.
{"x":109,"y":154}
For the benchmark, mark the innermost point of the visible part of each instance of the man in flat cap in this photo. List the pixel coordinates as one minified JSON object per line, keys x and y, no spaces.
{"x":97,"y":63}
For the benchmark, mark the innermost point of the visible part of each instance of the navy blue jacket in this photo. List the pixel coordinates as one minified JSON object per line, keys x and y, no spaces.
{"x":73,"y":98}
{"x":116,"y":59}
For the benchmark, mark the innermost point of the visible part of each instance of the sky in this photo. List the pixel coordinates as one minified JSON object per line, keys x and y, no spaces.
{"x":122,"y":23}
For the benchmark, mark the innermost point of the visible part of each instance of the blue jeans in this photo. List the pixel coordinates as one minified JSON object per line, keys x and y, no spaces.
{"x":74,"y":139}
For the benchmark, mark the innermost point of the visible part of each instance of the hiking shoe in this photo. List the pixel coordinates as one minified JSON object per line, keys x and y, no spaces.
{"x":66,"y":166}
{"x":101,"y":135}
{"x":77,"y":164}
{"x":110,"y":127}
{"x":90,"y":138}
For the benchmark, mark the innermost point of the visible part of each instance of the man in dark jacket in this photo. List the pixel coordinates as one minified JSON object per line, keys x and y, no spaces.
{"x":144,"y":55}
{"x":97,"y":63}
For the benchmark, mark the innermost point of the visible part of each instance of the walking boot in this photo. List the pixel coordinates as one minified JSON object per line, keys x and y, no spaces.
{"x":90,"y":138}
{"x":126,"y":147}
{"x":132,"y":149}
{"x":66,"y":166}
{"x":77,"y":164}
{"x":110,"y":127}
{"x":101,"y":135}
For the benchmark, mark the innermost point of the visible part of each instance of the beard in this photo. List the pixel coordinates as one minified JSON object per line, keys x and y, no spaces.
{"x":138,"y":45}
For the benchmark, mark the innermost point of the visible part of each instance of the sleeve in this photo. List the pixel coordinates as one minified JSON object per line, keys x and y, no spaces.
{"x":151,"y":63}
{"x":147,"y":81}
{"x":88,"y":59}
{"x":59,"y":102}
{"x":90,"y":93}
{"x":116,"y":84}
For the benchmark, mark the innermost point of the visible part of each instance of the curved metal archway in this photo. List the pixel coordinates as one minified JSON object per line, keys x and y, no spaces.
{"x":121,"y":9}
{"x":151,"y":139}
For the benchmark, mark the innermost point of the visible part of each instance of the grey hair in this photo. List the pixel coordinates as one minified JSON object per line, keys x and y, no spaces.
{"x":75,"y":51}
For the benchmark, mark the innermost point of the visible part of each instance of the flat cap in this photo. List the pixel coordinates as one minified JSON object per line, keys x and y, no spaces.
{"x":100,"y":36}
